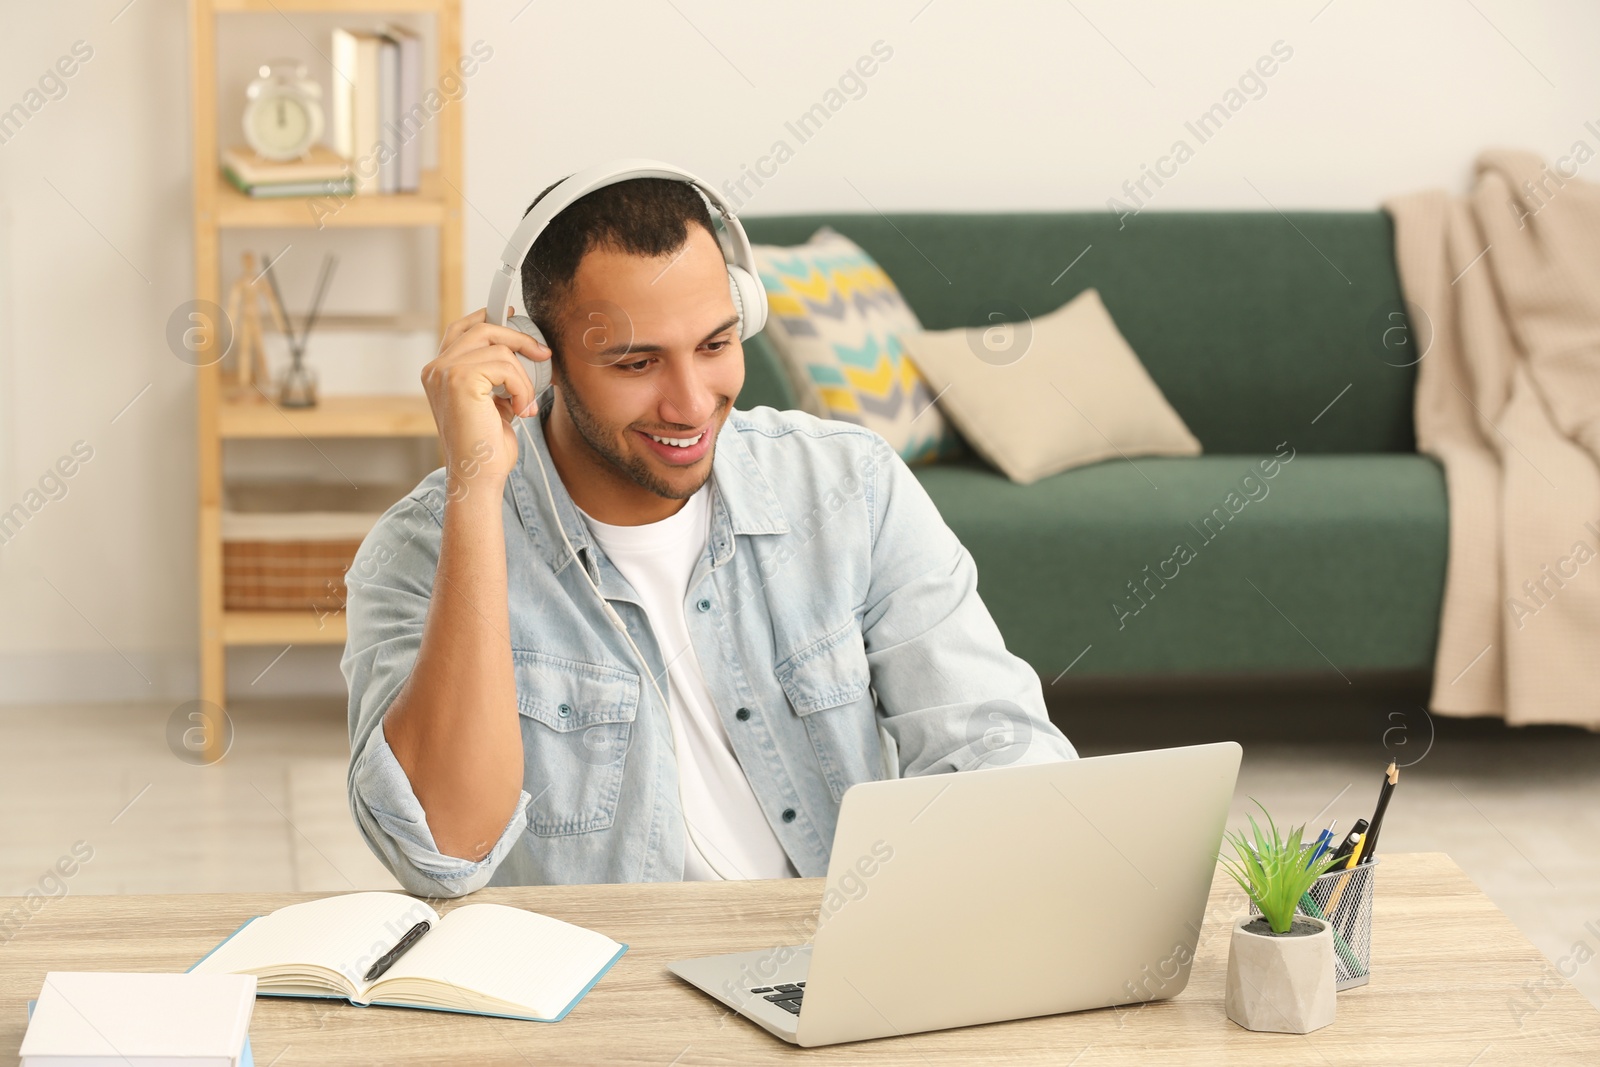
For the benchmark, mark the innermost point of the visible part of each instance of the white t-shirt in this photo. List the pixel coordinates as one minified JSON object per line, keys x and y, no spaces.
{"x":724,"y":819}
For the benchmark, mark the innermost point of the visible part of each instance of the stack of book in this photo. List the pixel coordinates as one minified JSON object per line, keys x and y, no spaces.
{"x":378,"y":112}
{"x":321,"y":173}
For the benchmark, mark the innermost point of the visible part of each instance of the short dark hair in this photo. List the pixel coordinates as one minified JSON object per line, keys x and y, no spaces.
{"x":640,"y":216}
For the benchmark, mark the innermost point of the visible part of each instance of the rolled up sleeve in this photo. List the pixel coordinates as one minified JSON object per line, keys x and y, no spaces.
{"x":396,"y":827}
{"x":953,"y":698}
{"x":389,"y":585}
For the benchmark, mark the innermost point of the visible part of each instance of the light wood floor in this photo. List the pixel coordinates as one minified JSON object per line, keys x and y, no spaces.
{"x":1519,"y":810}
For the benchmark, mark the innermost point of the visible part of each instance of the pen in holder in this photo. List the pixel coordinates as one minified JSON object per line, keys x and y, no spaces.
{"x":1343,"y":897}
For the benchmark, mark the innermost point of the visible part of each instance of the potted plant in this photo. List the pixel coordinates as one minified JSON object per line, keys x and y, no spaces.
{"x":1281,"y":974}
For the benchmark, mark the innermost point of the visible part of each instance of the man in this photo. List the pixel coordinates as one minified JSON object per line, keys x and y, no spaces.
{"x":786,"y":578}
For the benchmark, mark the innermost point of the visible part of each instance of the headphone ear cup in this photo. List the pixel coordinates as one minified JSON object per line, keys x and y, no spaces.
{"x":749,"y":299}
{"x":539,"y":370}
{"x":523,"y":324}
{"x":738,"y":301}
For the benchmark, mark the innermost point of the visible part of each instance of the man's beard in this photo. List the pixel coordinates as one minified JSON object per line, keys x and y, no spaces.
{"x":634,"y":467}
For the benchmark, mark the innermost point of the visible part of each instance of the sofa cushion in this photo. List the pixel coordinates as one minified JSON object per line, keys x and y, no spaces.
{"x":1346,"y":554}
{"x":1037,"y":398}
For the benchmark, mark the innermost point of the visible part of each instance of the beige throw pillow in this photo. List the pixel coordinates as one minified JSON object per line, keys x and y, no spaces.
{"x":1037,"y":398}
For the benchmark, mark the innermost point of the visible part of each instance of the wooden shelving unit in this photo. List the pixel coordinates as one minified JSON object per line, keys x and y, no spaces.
{"x":334,"y":416}
{"x":217,"y":207}
{"x":270,"y":627}
{"x":430,"y":206}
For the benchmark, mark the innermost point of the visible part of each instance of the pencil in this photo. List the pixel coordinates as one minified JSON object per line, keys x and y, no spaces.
{"x":1391,"y":777}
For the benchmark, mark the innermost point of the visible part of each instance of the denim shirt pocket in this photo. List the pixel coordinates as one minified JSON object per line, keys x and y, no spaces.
{"x":827,"y":684}
{"x":577,"y":724}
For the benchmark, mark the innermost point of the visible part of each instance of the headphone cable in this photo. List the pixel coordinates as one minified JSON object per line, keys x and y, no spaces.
{"x":622,"y":628}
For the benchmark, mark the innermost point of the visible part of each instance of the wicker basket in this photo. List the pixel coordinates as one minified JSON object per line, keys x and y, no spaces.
{"x":286,"y":547}
{"x":285,"y":575}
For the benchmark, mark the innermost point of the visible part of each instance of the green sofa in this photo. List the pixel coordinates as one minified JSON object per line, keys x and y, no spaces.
{"x":1253,"y":324}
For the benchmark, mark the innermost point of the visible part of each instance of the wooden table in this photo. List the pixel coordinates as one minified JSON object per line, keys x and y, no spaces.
{"x":1454,"y":983}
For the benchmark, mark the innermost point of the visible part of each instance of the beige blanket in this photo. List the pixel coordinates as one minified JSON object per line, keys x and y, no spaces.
{"x":1508,"y":401}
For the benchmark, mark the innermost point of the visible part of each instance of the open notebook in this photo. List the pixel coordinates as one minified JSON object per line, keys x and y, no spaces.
{"x":485,"y":959}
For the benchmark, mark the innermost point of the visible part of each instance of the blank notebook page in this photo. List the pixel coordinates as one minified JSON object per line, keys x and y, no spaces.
{"x":342,"y":933}
{"x":509,"y":954}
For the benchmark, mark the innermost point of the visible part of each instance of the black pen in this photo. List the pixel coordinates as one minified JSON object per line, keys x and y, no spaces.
{"x":1351,"y":839}
{"x":387,"y":960}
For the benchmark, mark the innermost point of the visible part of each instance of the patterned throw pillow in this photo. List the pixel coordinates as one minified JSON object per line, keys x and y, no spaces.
{"x":835,"y":322}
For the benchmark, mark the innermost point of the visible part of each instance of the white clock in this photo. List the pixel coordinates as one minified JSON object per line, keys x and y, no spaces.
{"x":283,"y":111}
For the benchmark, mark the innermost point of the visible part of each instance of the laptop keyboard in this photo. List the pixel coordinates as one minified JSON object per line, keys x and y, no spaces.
{"x":786,"y":996}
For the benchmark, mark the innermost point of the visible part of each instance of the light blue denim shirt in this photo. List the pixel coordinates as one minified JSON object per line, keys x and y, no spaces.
{"x":837,"y":623}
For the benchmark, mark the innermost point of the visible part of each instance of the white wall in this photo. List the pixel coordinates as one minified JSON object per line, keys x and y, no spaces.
{"x":980,"y":106}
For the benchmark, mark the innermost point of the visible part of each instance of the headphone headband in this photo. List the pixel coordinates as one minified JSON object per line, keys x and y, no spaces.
{"x":735,"y":245}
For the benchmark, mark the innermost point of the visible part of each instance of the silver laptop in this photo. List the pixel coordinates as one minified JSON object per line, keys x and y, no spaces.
{"x":1001,"y":893}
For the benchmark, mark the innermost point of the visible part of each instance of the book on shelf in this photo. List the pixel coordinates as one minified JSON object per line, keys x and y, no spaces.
{"x":377,"y":107}
{"x":480,"y":959}
{"x":409,"y":112}
{"x":320,"y":173}
{"x":355,"y":103}
{"x":388,"y":112}
{"x":340,"y":187}
{"x":321,"y":163}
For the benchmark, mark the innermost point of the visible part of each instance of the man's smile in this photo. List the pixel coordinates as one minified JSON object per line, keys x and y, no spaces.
{"x":678,"y":450}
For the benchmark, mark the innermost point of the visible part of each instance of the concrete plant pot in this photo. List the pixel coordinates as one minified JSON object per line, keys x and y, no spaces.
{"x":1283,"y":984}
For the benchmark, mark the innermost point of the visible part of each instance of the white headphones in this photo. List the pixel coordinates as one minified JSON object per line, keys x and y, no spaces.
{"x":749,"y":300}
{"x":749,"y":296}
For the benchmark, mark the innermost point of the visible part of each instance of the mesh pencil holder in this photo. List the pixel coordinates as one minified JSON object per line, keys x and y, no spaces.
{"x":1344,"y":899}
